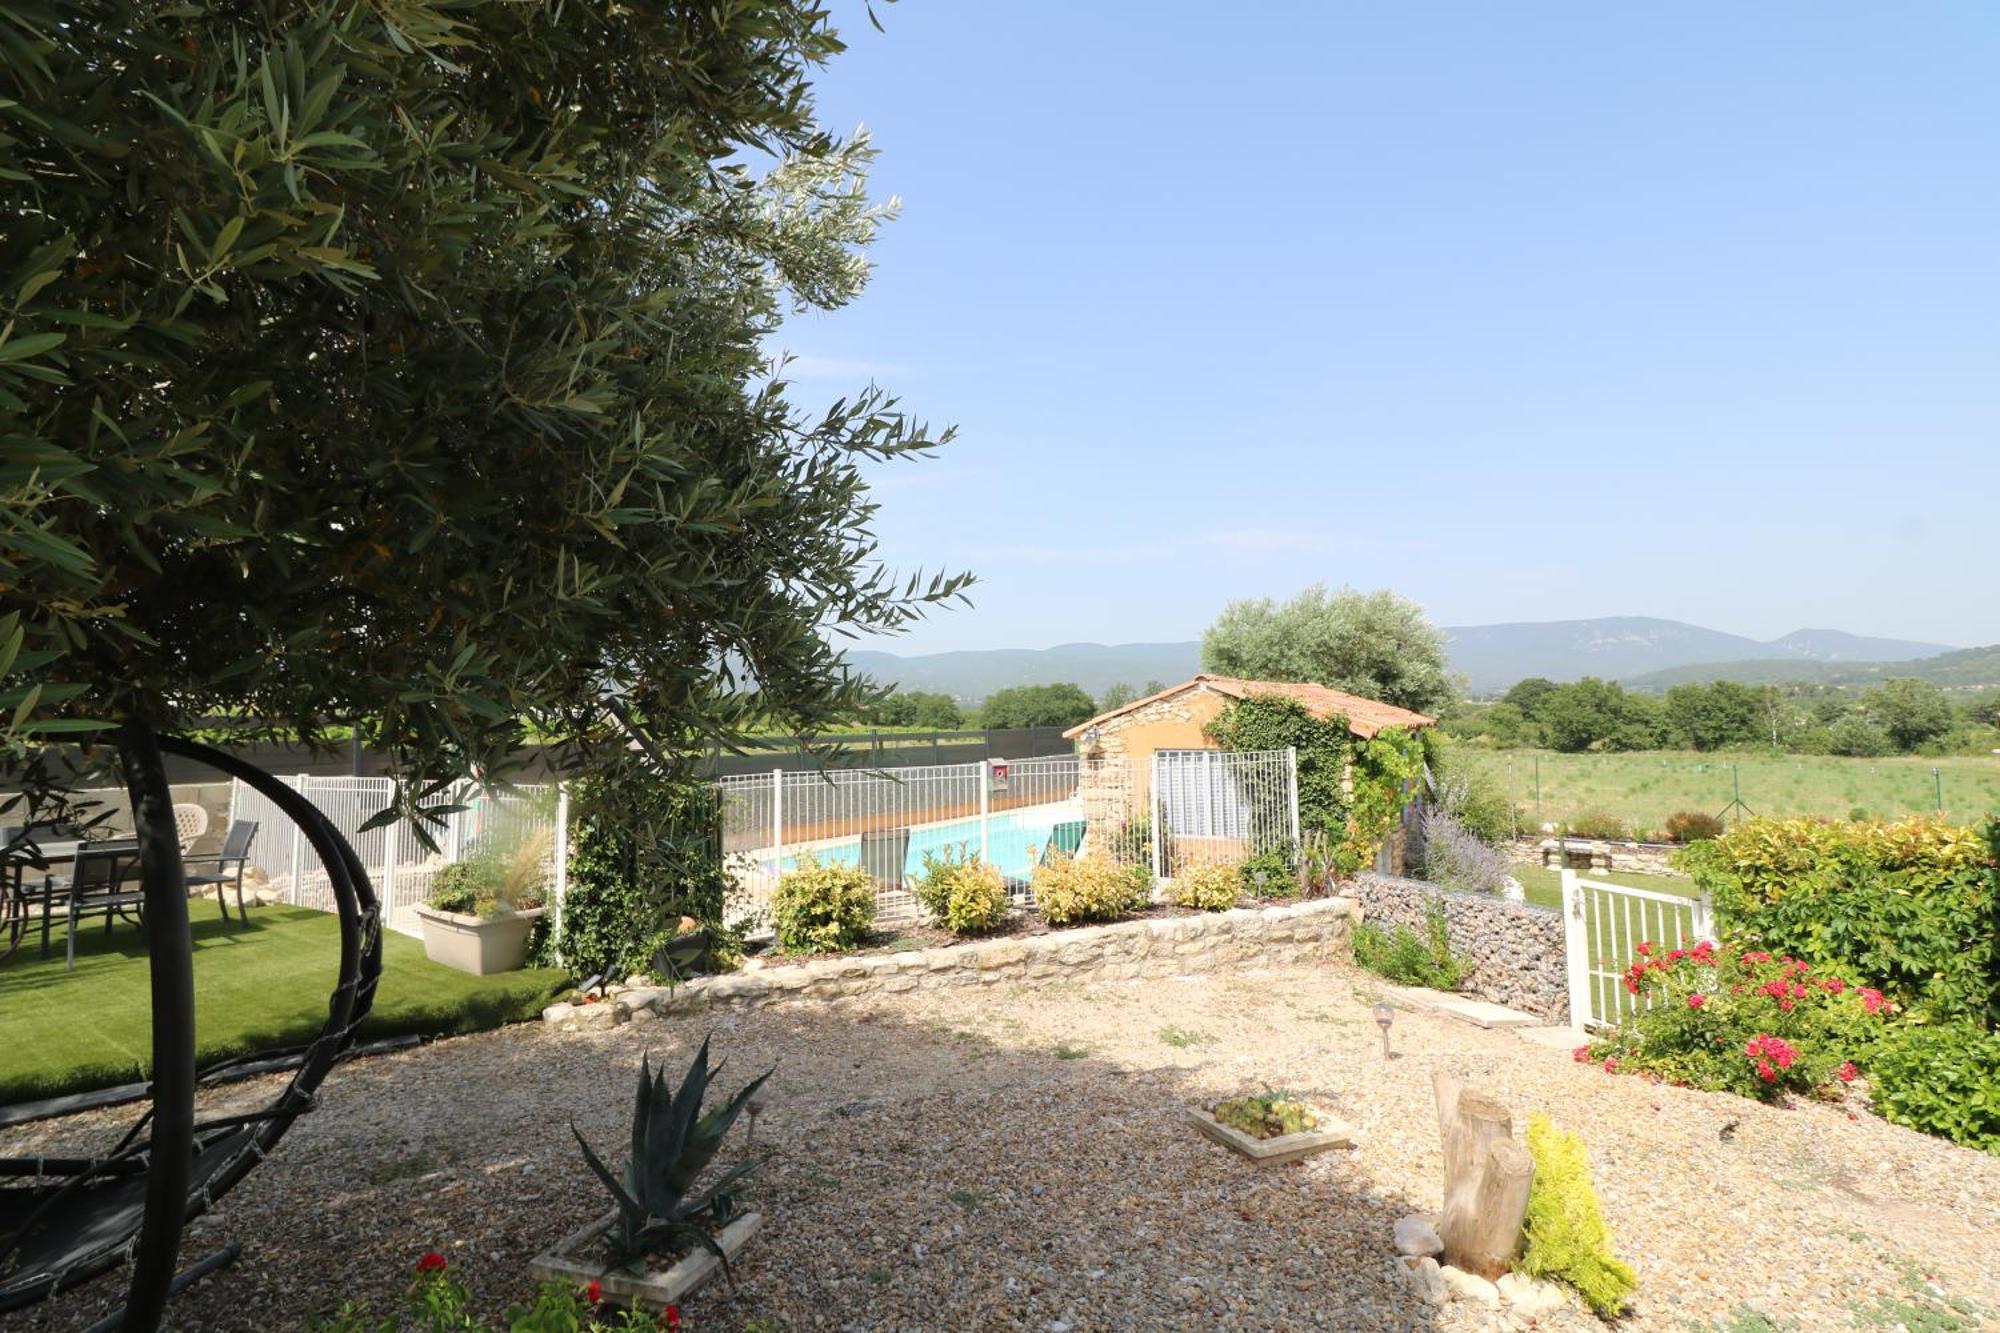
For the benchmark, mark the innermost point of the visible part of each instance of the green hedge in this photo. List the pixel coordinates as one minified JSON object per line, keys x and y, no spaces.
{"x":1911,"y":907}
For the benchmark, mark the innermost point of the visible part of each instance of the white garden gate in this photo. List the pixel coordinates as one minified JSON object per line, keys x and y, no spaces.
{"x":1603,"y":925}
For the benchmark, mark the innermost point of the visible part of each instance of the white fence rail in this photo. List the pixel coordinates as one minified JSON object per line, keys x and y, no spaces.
{"x":1176,"y":809}
{"x":1603,"y":925}
{"x":398,"y":863}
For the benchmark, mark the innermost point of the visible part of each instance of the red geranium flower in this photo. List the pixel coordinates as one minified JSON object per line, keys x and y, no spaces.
{"x":1610,"y":1064}
{"x":1765,"y":1072}
{"x":1871,"y":999}
{"x":594,"y":1291}
{"x":1581,"y":1054}
{"x":1696,"y":1001}
{"x":432,"y":1262}
{"x":1847,"y":1071}
{"x":673,"y":1313}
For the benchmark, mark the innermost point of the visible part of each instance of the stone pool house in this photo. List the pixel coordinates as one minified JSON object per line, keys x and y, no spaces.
{"x":1115,"y":748}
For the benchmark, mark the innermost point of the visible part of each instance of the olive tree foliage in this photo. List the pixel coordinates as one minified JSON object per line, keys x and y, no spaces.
{"x":1376,"y":645}
{"x":400,"y":360}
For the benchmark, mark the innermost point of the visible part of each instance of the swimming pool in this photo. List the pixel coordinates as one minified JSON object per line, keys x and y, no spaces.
{"x":1014,"y":841}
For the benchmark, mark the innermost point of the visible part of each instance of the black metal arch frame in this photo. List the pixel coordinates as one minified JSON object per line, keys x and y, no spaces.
{"x":79,"y":1217}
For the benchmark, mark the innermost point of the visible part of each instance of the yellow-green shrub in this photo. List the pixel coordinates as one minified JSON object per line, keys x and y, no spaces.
{"x":1213,"y":887}
{"x":1911,"y":907}
{"x":1567,"y":1238}
{"x":965,"y":894}
{"x":1088,"y":888}
{"x":821,"y":908}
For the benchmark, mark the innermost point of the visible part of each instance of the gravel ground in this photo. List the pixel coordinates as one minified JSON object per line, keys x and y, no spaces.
{"x":1013,"y":1158}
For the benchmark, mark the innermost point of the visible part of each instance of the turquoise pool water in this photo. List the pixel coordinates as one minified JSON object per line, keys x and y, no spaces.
{"x":1013,"y":842}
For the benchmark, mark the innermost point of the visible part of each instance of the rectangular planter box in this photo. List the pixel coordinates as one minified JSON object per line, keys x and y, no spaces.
{"x":1281,"y":1150}
{"x":477,"y":944}
{"x":650,"y":1288}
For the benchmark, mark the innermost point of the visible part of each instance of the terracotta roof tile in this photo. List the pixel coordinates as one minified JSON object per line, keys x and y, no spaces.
{"x":1366,"y":718}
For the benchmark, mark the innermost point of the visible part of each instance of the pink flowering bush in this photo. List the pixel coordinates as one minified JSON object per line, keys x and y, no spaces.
{"x":1742,"y":1021}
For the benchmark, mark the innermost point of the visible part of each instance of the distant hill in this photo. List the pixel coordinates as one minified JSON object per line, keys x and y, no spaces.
{"x":1966,"y":669}
{"x":971,"y":676}
{"x":1491,"y":657}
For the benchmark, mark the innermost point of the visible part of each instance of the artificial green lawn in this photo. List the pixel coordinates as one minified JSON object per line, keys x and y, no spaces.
{"x":257,"y":986}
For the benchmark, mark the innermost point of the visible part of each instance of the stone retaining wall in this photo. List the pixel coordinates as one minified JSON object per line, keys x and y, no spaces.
{"x":1306,"y":932}
{"x":1588,"y":854}
{"x":1516,"y":948}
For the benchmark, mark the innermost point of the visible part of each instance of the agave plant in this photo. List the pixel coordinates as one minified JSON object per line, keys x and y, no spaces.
{"x":672,"y":1144}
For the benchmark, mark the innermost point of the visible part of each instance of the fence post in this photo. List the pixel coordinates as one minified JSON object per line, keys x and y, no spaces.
{"x":560,"y":851}
{"x":1576,"y":951}
{"x":1156,"y":812}
{"x":985,"y":806}
{"x":298,"y":898}
{"x":777,"y":820}
{"x":1292,"y":781}
{"x":1704,"y":917}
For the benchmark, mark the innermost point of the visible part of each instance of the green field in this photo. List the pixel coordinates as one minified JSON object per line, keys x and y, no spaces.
{"x":1644,"y":788}
{"x":258,"y":986}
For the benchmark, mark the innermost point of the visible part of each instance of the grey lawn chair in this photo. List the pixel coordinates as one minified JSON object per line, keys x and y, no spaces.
{"x":883,"y":854}
{"x":97,"y":885}
{"x":235,"y":852}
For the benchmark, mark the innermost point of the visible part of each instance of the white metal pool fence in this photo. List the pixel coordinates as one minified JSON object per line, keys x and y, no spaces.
{"x":399,"y":865}
{"x":1172,"y":810}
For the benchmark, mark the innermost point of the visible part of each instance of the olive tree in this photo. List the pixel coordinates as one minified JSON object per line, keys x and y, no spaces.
{"x":403,"y":361}
{"x":1376,"y":645}
{"x":400,"y":362}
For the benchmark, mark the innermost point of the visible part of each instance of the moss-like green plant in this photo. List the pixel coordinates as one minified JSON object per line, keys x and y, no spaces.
{"x":1568,"y":1240}
{"x":1269,"y":1114}
{"x":1212,"y":888}
{"x":822,"y":908}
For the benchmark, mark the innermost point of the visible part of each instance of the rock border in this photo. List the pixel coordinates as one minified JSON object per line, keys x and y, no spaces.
{"x":1312,"y":931}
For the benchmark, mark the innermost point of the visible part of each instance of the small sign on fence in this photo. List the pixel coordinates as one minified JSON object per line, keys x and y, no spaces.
{"x":996,"y":775}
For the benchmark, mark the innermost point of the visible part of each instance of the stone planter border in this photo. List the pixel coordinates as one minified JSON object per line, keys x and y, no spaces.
{"x":1246,"y":937}
{"x":659,"y":1289}
{"x":1280,"y":1151}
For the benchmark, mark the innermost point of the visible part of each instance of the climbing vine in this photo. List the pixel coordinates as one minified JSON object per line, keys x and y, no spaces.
{"x":1350,"y":790}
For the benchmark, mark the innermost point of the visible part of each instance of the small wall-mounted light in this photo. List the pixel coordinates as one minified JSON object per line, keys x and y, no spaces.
{"x":1384,"y":1016}
{"x":1092,"y":736}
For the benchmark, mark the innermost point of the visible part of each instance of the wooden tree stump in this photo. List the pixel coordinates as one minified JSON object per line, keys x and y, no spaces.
{"x":1486,"y":1180}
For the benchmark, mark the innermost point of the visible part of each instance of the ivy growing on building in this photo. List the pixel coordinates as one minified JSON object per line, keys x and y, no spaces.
{"x":1350,"y":790}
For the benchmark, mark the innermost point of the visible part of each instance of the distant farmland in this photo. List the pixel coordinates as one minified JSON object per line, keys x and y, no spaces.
{"x":1643,"y":789}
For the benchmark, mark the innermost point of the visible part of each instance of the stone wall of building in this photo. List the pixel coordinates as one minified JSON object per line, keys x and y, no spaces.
{"x":1306,"y":932}
{"x":1516,"y":949}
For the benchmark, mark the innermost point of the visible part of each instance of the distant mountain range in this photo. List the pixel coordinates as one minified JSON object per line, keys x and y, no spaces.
{"x":1492,"y":657}
{"x":971,"y":676}
{"x":1968,"y":668}
{"x":1644,"y":652}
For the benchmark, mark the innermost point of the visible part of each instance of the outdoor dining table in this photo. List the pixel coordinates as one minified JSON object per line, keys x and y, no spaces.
{"x":16,"y":914}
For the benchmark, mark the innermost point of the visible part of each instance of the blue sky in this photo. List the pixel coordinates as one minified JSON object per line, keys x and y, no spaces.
{"x":1528,"y":311}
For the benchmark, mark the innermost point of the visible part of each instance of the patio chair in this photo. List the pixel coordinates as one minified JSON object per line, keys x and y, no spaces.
{"x":102,"y":882}
{"x":1064,"y":839}
{"x":67,"y":1220}
{"x":884,"y":853}
{"x":235,"y":851}
{"x":190,"y":822}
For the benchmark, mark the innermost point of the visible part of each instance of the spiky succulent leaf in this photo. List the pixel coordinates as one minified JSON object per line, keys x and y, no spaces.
{"x":706,"y":1139}
{"x":631,"y":1214}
